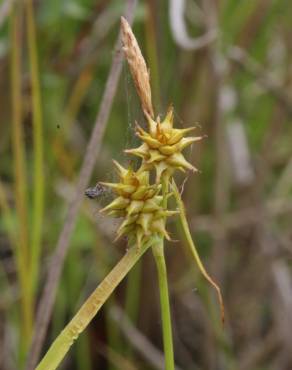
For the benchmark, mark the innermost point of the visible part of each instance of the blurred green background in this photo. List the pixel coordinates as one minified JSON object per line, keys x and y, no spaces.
{"x":225,"y":64}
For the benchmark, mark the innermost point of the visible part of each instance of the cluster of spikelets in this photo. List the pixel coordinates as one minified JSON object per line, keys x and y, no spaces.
{"x":138,"y":202}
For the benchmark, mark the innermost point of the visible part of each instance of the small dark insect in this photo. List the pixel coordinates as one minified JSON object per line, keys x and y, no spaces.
{"x":95,"y":192}
{"x":58,"y":126}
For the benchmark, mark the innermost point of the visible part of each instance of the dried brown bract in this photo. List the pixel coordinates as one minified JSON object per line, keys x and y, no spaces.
{"x":137,"y":66}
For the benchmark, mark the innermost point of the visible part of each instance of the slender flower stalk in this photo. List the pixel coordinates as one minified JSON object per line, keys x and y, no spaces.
{"x":158,"y":252}
{"x":159,"y":256}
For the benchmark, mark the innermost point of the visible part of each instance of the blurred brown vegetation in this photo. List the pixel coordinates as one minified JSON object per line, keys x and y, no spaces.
{"x":223,"y":63}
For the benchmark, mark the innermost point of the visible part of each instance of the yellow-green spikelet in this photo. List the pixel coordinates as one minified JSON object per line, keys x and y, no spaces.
{"x":162,"y":146}
{"x":139,"y":203}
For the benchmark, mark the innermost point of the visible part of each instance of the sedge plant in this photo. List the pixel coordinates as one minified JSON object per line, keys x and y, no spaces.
{"x":142,"y":205}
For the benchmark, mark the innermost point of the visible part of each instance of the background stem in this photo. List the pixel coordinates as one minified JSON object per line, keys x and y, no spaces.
{"x":21,"y":250}
{"x":132,"y":300}
{"x":38,"y":171}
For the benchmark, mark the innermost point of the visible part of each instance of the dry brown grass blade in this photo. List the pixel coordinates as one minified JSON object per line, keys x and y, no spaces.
{"x":137,"y":66}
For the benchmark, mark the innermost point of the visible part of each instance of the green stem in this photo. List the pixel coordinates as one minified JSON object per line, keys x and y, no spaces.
{"x":192,"y":247}
{"x":89,"y":309}
{"x":21,"y":250}
{"x":38,"y":190}
{"x":158,"y":252}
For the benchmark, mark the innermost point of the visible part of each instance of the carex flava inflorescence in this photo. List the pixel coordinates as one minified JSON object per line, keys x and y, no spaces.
{"x":142,"y":205}
{"x":138,"y":202}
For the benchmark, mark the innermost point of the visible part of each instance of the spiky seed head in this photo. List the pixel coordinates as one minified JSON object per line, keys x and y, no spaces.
{"x":138,"y":203}
{"x":163,"y":145}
